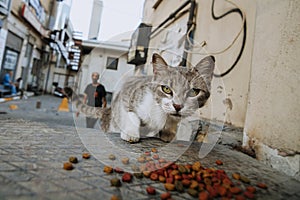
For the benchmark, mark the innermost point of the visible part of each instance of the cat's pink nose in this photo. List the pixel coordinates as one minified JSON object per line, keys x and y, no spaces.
{"x":177,"y":107}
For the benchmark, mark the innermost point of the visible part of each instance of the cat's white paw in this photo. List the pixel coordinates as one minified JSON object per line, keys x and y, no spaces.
{"x":130,"y":138}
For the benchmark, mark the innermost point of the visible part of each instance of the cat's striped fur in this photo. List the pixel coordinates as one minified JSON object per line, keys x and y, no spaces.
{"x":144,"y":105}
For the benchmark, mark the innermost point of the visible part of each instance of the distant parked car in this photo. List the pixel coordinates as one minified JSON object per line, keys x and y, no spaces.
{"x":58,"y":91}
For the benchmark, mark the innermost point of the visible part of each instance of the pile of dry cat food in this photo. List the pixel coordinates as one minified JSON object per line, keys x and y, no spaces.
{"x":194,"y":179}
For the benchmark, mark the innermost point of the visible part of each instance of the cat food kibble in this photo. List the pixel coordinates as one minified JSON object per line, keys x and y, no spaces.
{"x":192,"y":192}
{"x":179,"y":186}
{"x":141,"y":159}
{"x":114,"y":197}
{"x":151,"y":190}
{"x":219,"y":162}
{"x":73,"y":159}
{"x":86,"y":155}
{"x":165,"y":196}
{"x":127,"y":177}
{"x":245,"y":179}
{"x":125,"y":161}
{"x":148,"y":159}
{"x":262,"y":185}
{"x":112,"y":157}
{"x":108,"y":169}
{"x":138,"y":175}
{"x":194,"y":184}
{"x":155,"y":156}
{"x":196,"y":166}
{"x":203,"y":195}
{"x":236,"y":176}
{"x":186,"y":182}
{"x":169,"y":186}
{"x":154,"y":176}
{"x":249,"y":195}
{"x":118,"y":170}
{"x":146,"y":173}
{"x":240,"y":197}
{"x":161,"y":178}
{"x":182,"y":169}
{"x":251,"y":189}
{"x":235,"y":190}
{"x":115,"y":182}
{"x":68,"y":166}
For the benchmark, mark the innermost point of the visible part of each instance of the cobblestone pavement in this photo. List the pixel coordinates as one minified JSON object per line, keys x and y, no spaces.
{"x":32,"y":153}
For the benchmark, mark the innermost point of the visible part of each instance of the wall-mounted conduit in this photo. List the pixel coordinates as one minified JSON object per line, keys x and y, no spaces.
{"x":234,"y":10}
{"x":190,"y":23}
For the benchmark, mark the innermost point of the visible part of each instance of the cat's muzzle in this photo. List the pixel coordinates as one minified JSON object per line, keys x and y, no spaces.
{"x":176,"y":115}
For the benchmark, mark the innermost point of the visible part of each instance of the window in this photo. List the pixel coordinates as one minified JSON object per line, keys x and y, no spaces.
{"x":112,"y":63}
{"x":10,"y":59}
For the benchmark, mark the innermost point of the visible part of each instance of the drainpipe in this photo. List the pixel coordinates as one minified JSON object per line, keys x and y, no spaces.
{"x":29,"y":57}
{"x":51,"y":6}
{"x":49,"y":69}
{"x":191,"y":35}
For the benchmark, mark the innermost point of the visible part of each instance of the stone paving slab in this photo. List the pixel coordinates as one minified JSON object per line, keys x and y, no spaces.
{"x":32,"y":155}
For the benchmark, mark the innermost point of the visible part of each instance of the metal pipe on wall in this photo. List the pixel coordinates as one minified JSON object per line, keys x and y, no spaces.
{"x":189,"y":26}
{"x":191,"y":33}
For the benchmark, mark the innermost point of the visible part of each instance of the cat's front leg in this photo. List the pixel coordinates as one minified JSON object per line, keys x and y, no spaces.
{"x":130,"y":137}
{"x":130,"y":128}
{"x":168,"y":133}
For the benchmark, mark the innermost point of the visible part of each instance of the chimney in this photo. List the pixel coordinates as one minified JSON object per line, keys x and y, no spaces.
{"x":95,"y":20}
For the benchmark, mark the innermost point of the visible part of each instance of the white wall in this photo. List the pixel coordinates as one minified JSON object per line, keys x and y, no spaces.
{"x":272,"y":123}
{"x":96,"y":62}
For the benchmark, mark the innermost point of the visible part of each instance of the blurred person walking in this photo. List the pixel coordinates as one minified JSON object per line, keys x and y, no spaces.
{"x":95,"y":96}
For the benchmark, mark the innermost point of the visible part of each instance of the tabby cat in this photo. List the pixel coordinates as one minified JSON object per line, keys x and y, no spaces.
{"x":153,"y":105}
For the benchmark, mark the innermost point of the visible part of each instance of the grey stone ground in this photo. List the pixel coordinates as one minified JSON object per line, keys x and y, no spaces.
{"x":34,"y":144}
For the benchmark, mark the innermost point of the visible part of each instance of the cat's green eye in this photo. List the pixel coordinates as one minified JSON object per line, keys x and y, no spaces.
{"x":194,"y":92}
{"x":166,"y":89}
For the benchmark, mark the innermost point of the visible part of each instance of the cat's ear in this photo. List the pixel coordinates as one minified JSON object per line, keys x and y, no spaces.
{"x":206,"y":68}
{"x":158,"y":63}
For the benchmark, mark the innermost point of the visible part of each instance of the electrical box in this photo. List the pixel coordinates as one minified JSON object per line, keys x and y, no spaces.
{"x":139,"y":45}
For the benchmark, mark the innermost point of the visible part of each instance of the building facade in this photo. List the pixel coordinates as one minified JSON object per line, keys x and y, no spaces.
{"x":109,"y":59}
{"x":34,"y":41}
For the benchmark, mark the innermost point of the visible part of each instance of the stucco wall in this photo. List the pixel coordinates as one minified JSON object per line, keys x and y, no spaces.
{"x":273,"y":112}
{"x":96,"y":62}
{"x":230,"y":92}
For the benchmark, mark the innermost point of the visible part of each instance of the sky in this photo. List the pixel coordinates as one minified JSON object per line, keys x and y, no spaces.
{"x":119,"y":16}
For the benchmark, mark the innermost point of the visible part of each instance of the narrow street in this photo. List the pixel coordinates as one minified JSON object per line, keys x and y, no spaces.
{"x":36,"y":142}
{"x":47,"y":113}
